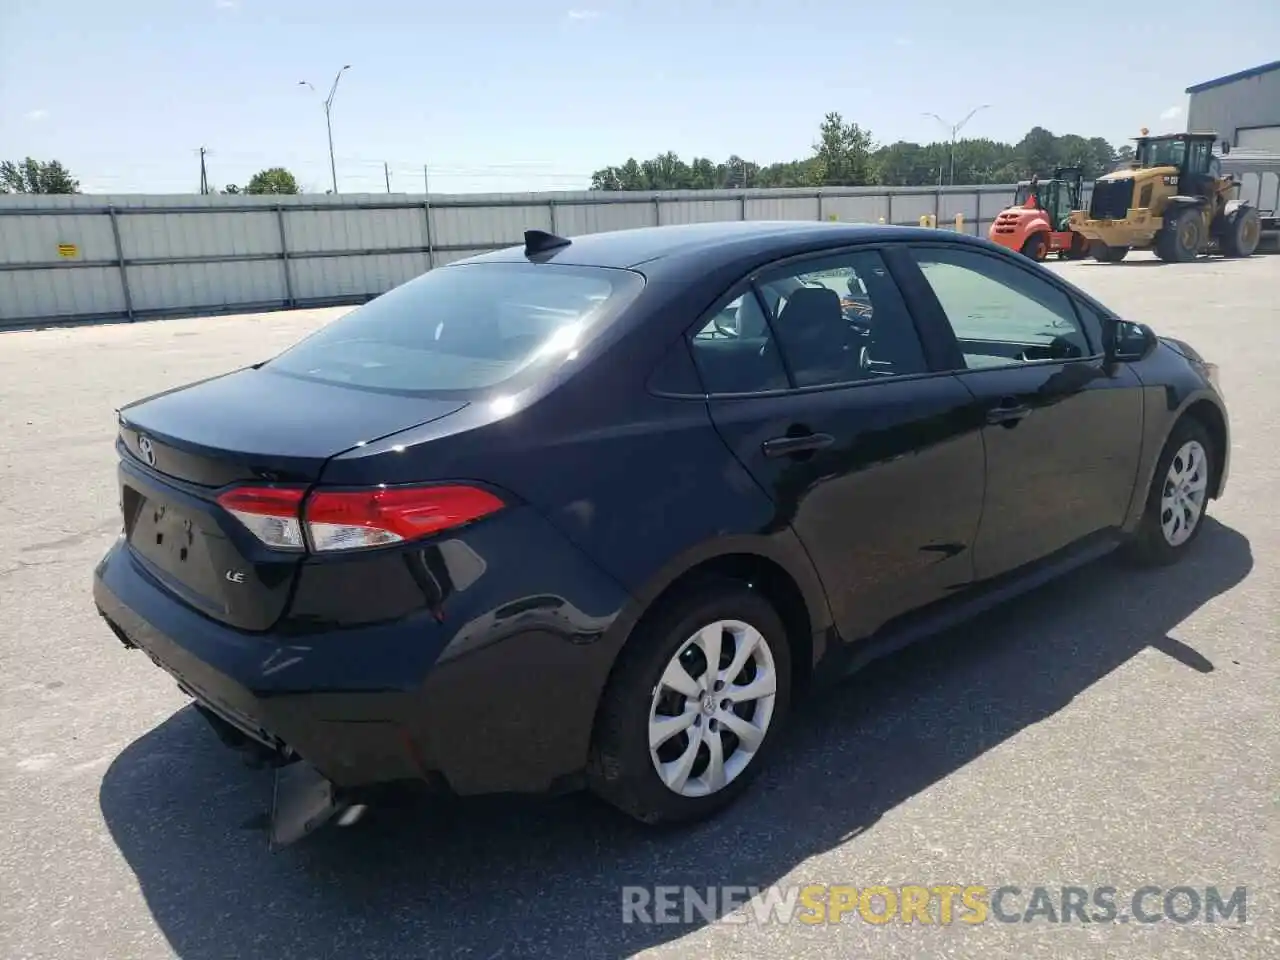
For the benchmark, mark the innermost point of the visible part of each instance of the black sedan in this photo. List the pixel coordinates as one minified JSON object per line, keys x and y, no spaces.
{"x":600,"y":512}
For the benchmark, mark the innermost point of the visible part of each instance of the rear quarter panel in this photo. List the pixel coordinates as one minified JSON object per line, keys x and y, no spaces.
{"x":641,"y":484}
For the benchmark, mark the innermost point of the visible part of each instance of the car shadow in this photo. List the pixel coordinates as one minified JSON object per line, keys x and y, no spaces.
{"x":517,"y":877}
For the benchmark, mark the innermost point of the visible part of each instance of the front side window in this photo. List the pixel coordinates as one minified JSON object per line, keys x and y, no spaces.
{"x":1000,"y":313}
{"x":468,"y":327}
{"x":842,"y":319}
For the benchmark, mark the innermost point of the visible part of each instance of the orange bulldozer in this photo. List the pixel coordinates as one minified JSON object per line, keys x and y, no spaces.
{"x":1036,"y":224}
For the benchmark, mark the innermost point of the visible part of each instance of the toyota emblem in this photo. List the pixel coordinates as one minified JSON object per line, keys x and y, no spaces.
{"x":148,"y":450}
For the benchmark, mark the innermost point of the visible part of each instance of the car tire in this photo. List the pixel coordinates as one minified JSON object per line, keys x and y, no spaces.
{"x":1181,"y":237}
{"x":1036,"y":248}
{"x":1241,"y":232}
{"x":1160,"y":540}
{"x":624,"y":771}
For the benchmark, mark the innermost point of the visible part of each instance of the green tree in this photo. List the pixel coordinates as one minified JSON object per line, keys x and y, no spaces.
{"x":843,"y":152}
{"x":272,"y":180}
{"x":845,"y":155}
{"x":1037,"y":151}
{"x":35,"y":176}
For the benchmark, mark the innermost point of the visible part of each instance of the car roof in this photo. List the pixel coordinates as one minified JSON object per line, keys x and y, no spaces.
{"x":713,"y":242}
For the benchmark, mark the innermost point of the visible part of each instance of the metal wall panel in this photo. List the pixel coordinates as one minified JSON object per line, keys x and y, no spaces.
{"x":353,"y":278}
{"x":699,"y":211}
{"x":483,"y":226}
{"x":206,"y":286}
{"x":60,"y":294}
{"x":183,"y":254}
{"x":36,"y":239}
{"x":309,"y":231}
{"x":162,"y":236}
{"x":577,"y":219}
{"x":857,"y":209}
{"x":784,"y":208}
{"x":1224,"y":110}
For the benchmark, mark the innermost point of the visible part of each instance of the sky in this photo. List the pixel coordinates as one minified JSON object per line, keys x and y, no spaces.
{"x":515,"y":95}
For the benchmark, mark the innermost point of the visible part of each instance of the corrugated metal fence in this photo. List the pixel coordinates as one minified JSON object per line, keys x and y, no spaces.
{"x":78,"y":258}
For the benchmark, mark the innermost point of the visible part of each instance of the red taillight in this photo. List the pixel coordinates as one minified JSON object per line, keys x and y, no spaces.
{"x":341,"y":520}
{"x":272,"y":514}
{"x":352,"y":519}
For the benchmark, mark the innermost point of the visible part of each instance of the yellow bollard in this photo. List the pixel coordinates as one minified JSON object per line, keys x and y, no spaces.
{"x":959,"y":223}
{"x":924,"y":219}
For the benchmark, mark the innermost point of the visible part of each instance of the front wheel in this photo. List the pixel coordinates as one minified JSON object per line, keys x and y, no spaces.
{"x":694,"y":706}
{"x":1181,"y":237}
{"x":1178,"y":496}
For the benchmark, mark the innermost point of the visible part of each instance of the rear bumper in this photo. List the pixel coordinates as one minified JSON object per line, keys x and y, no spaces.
{"x":461,"y":705}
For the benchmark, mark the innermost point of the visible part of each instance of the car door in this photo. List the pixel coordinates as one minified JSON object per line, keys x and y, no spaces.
{"x":818,"y":382}
{"x":1062,"y":425}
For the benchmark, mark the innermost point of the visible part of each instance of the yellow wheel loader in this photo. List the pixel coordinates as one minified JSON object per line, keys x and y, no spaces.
{"x":1173,"y":199}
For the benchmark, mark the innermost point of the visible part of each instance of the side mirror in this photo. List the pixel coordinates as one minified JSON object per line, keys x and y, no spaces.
{"x":1131,"y":342}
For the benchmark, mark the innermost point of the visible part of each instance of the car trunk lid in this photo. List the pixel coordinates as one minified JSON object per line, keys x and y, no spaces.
{"x":180,"y":450}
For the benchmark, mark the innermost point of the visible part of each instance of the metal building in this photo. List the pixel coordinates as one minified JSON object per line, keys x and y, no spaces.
{"x":1242,"y":108}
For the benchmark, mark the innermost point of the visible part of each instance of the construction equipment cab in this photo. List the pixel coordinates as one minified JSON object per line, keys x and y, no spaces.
{"x":1037,"y":222}
{"x":1171,"y":198}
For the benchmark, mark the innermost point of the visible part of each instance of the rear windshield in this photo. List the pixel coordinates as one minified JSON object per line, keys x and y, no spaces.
{"x":468,"y":327}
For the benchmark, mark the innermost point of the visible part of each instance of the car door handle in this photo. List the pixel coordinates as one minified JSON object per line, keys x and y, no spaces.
{"x":1009,"y":413}
{"x":786,"y":446}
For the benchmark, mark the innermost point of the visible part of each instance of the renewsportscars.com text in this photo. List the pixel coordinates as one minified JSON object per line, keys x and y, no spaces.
{"x":934,"y":904}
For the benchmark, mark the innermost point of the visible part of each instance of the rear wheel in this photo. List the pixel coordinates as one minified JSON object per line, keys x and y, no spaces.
{"x":1178,"y":496}
{"x":695,"y":705}
{"x":1036,"y":247}
{"x":1241,"y":233}
{"x":1106,"y":254}
{"x":1181,"y":237}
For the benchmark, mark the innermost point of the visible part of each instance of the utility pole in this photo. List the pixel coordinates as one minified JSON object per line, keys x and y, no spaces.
{"x":386,"y":172}
{"x":328,"y":121}
{"x":954,"y":129}
{"x":204,"y":175}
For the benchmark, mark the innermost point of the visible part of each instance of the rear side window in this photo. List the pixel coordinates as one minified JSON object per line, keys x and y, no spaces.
{"x":734,"y":350}
{"x":468,"y":327}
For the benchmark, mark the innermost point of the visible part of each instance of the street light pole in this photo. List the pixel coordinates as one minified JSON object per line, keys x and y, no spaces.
{"x":955,"y":129}
{"x":328,"y":121}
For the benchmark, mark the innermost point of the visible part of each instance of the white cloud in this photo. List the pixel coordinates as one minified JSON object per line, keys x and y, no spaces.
{"x":35,"y":116}
{"x":1173,"y":113}
{"x":226,"y":4}
{"x":583,"y":14}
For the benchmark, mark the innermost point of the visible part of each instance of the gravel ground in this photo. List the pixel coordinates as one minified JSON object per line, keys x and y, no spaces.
{"x":1116,"y":728}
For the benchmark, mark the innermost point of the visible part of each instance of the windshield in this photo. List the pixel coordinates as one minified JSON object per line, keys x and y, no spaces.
{"x":467,"y":327}
{"x":1162,"y":153}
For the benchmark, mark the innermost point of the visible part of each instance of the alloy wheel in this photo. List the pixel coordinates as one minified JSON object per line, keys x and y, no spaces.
{"x":712,"y":708}
{"x":1185,"y":487}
